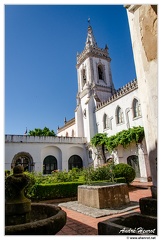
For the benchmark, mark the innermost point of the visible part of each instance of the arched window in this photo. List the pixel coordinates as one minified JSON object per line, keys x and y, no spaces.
{"x":100,"y":72}
{"x":90,"y":153}
{"x":67,"y":134}
{"x":119,"y":115}
{"x":24,"y":159}
{"x":49,"y":164}
{"x":84,"y":77}
{"x":136,"y":108}
{"x":75,"y":162}
{"x":72,"y":133}
{"x":105,"y":121}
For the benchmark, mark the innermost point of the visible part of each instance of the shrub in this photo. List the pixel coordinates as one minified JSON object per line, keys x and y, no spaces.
{"x":29,"y":189}
{"x":56,"y":190}
{"x":101,"y":173}
{"x":60,"y":190}
{"x":124,"y":170}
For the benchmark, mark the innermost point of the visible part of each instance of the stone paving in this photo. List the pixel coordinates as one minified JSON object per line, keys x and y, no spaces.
{"x":95,"y":212}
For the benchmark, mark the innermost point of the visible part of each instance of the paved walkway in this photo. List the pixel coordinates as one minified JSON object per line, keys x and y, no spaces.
{"x":80,"y":224}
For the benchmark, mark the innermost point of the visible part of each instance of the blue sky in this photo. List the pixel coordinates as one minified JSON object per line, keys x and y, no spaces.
{"x":41,"y":43}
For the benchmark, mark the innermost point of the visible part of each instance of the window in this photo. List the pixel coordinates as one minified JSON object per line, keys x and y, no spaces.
{"x":90,"y":153}
{"x":75,"y":162}
{"x":119,"y":115}
{"x":49,"y":164}
{"x":72,"y":134}
{"x":136,"y":108}
{"x":105,"y":121}
{"x":84,"y":77}
{"x":100,"y":73}
{"x":24,"y":159}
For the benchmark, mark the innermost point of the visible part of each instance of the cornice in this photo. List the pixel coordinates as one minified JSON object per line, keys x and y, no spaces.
{"x":92,"y":52}
{"x":129,"y":87}
{"x":68,"y":124}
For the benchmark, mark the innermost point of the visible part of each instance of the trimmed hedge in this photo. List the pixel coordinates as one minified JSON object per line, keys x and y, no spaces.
{"x":56,"y":190}
{"x":61,"y":190}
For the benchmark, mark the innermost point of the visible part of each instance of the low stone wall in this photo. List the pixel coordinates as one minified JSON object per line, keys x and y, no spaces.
{"x":103,"y":195}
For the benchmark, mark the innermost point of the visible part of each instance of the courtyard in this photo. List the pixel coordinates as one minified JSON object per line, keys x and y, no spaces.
{"x":81,"y":224}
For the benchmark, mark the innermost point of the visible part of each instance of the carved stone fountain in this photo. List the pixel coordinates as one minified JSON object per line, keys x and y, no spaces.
{"x":25,"y":218}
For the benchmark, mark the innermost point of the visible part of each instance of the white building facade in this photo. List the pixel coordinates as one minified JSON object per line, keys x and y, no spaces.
{"x":100,"y":109}
{"x":45,"y":154}
{"x":143,"y":24}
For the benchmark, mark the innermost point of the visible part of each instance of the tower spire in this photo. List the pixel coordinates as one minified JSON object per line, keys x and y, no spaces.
{"x":90,"y":41}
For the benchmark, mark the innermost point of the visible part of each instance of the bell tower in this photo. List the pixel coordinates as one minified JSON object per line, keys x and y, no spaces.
{"x":94,"y":85}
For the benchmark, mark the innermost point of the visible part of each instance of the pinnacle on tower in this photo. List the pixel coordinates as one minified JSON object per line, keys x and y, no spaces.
{"x":90,"y":37}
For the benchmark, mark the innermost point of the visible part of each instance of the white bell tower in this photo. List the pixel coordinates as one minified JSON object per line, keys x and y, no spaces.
{"x":94,"y":85}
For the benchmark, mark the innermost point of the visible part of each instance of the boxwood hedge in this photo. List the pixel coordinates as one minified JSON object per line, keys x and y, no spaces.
{"x":59,"y":190}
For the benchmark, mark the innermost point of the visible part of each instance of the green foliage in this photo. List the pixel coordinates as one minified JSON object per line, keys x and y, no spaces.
{"x":56,"y":190}
{"x":99,"y":174}
{"x":7,"y":173}
{"x":61,"y":190}
{"x":125,"y":138}
{"x":42,"y":132}
{"x":124,"y":170}
{"x":99,"y":139}
{"x":29,"y":190}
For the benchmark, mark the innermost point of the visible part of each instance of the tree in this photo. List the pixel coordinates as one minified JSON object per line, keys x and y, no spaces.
{"x":41,"y":132}
{"x":99,"y":141}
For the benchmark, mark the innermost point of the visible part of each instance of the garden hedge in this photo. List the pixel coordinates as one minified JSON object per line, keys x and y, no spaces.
{"x":60,"y":190}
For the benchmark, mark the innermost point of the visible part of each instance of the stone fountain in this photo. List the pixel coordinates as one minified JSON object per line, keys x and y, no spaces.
{"x":137,"y":223}
{"x":25,"y":218}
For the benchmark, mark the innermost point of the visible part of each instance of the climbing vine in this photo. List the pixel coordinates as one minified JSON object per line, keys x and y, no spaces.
{"x":104,"y":143}
{"x":99,"y":141}
{"x":125,"y":138}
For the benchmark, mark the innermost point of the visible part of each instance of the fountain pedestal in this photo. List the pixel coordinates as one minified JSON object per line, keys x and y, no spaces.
{"x":25,"y":218}
{"x":17,"y":206}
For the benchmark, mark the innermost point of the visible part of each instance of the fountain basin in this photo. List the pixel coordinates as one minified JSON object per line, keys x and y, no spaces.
{"x":46,"y":219}
{"x":129,"y":224}
{"x":103,"y":195}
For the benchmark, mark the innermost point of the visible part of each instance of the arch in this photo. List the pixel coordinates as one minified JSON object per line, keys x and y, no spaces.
{"x":119,"y":115}
{"x":133,"y":161}
{"x":100,"y":72}
{"x":90,"y":153}
{"x":105,"y":121}
{"x":75,"y":161}
{"x":84,"y":78}
{"x":136,"y":108}
{"x":24,"y":159}
{"x":49,"y":164}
